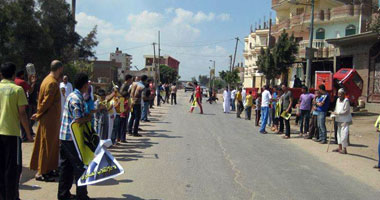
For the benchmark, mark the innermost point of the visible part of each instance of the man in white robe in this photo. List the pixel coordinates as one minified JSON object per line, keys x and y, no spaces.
{"x":244,"y":95}
{"x":227,"y":100}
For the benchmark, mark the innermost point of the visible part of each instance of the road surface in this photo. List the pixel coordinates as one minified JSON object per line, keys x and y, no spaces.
{"x":217,"y":156}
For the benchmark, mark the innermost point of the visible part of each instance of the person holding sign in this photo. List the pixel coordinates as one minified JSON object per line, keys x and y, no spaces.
{"x":72,"y":166}
{"x":286,"y":110}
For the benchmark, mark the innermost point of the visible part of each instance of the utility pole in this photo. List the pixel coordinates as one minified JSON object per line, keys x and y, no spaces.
{"x":233,"y":63}
{"x":159,"y":56}
{"x":311,"y":52}
{"x":154,"y":64}
{"x":73,"y":8}
{"x":230,"y":63}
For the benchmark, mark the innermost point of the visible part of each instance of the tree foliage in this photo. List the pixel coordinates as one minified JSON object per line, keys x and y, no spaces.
{"x":168,"y":75}
{"x":203,"y":80}
{"x":276,"y":61}
{"x":230,"y":77}
{"x":375,"y":26}
{"x":39,"y":31}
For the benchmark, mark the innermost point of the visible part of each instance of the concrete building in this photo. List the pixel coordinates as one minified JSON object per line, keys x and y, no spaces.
{"x":105,"y":71}
{"x":124,"y":59}
{"x":165,"y":60}
{"x":332,"y":19}
{"x":252,"y":45}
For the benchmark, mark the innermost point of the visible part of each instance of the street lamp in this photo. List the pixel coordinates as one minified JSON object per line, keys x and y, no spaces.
{"x":309,"y":53}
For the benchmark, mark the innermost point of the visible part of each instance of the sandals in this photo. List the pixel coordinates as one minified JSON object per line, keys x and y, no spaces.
{"x":44,"y":178}
{"x":286,"y":137}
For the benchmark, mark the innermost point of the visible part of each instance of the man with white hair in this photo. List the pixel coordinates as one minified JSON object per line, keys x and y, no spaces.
{"x":343,"y":118}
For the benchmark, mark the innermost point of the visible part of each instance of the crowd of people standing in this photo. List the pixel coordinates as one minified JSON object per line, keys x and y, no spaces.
{"x":55,"y":103}
{"x":274,"y":107}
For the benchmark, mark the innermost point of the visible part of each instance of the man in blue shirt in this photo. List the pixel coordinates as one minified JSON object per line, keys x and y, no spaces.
{"x":323,"y":104}
{"x":71,"y":165}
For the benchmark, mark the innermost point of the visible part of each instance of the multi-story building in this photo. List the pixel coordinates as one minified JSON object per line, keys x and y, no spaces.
{"x":332,"y":19}
{"x":124,"y":59}
{"x":165,"y":60}
{"x":252,"y":46}
{"x":105,"y":71}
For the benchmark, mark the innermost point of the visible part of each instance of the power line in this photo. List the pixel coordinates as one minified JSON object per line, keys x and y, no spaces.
{"x":136,"y":47}
{"x":198,"y":45}
{"x":195,"y":55}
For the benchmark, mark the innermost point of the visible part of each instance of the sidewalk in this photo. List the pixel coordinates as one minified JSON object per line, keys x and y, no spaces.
{"x":362,"y":152}
{"x":126,"y":154}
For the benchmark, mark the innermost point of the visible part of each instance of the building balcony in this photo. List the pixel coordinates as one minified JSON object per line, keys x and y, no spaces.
{"x":320,"y":16}
{"x":323,"y":49}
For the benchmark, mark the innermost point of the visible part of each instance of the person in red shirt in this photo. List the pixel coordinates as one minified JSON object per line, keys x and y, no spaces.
{"x":198,"y":96}
{"x":28,"y":89}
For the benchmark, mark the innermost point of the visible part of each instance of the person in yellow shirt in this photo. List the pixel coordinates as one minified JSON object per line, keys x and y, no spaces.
{"x":239,"y":102}
{"x":248,"y":105}
{"x":12,"y":111}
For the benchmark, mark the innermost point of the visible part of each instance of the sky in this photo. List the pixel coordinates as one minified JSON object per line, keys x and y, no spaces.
{"x":192,"y":31}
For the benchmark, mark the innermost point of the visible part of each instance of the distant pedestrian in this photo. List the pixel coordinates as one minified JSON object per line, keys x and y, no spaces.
{"x":145,"y":106}
{"x":323,"y":104}
{"x":287,"y":102}
{"x":173,"y":94}
{"x":297,"y":82}
{"x":265,"y":101}
{"x":278,"y":109}
{"x":13,"y":104}
{"x":46,"y":145}
{"x":167,"y":92}
{"x":239,"y":103}
{"x":198,"y":98}
{"x":306,"y":100}
{"x":343,"y":119}
{"x":233,"y":99}
{"x":67,"y":85}
{"x":258,"y":109}
{"x":226,"y":100}
{"x":248,"y":106}
{"x":273,"y":109}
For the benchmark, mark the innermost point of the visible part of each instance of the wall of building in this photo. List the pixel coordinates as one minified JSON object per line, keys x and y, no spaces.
{"x":332,"y":29}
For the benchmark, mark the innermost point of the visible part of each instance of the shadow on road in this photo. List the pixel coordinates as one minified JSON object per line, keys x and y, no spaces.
{"x":113,"y":182}
{"x":125,"y":197}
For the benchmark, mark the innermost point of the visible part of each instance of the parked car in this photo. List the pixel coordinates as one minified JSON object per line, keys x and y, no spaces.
{"x":189,"y":87}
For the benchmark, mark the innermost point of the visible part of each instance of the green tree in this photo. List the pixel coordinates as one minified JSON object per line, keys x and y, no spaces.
{"x":219,"y":84}
{"x":230,"y":77}
{"x":284,"y":53}
{"x":87,"y":44}
{"x":38,"y":31}
{"x":203,"y":80}
{"x":265,"y":63}
{"x":167,"y":74}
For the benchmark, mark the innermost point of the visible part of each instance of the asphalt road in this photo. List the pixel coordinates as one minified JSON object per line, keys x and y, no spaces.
{"x":217,"y":156}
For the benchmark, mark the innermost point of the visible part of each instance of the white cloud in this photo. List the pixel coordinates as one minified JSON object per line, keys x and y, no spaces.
{"x":224,"y":17}
{"x":177,"y":26}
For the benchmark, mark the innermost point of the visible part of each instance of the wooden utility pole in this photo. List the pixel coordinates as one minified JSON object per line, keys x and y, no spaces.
{"x":159,"y":57}
{"x":233,"y":63}
{"x":154,"y":64}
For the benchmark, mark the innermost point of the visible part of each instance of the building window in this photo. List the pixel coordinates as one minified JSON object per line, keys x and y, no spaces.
{"x":320,"y":34}
{"x":300,"y":11}
{"x":350,"y":30}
